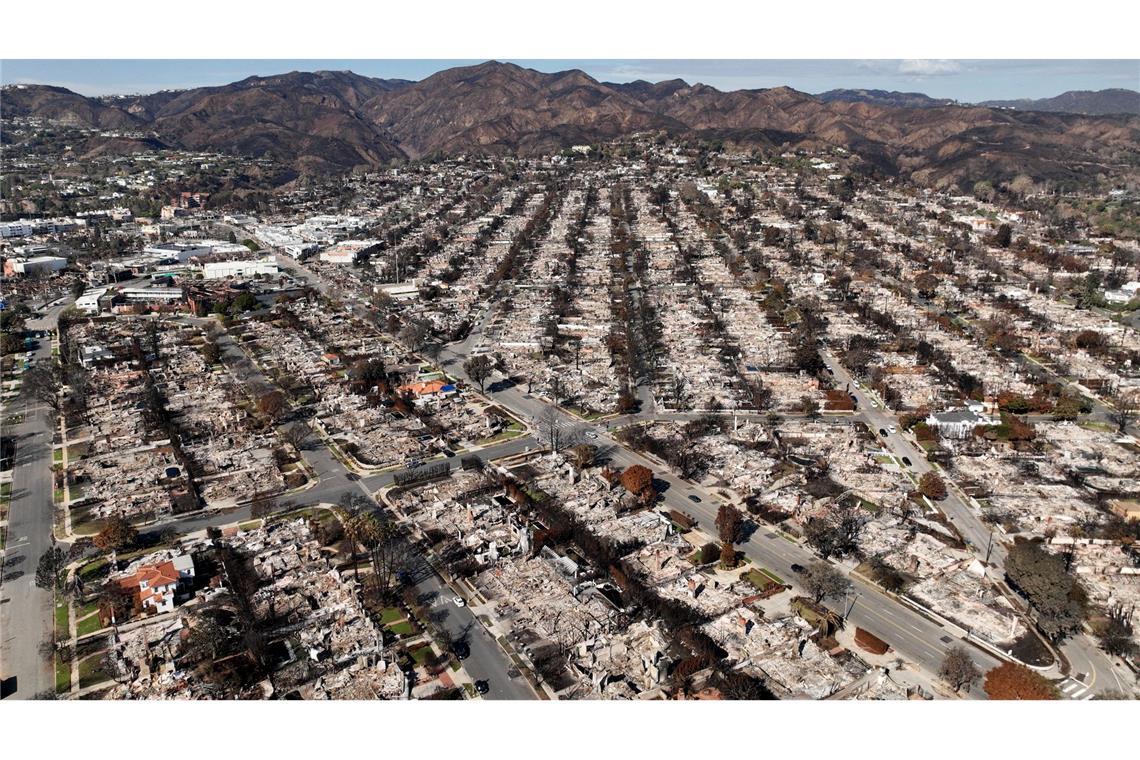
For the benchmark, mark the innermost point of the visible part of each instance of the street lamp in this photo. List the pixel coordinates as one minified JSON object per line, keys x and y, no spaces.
{"x":848,"y":593}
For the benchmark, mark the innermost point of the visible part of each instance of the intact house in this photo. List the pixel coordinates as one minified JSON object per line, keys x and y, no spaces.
{"x":153,"y":586}
{"x":958,"y":423}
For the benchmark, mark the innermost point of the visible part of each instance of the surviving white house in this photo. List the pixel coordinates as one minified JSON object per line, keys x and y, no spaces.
{"x":958,"y":423}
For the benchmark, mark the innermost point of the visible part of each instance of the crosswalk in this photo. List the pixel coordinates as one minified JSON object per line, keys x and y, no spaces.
{"x":1073,"y":689}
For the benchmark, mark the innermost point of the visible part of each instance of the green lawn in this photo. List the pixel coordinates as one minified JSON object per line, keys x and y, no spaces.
{"x":403,"y":628}
{"x":94,"y":569}
{"x":57,"y":456}
{"x":87,"y":609}
{"x":87,"y":625}
{"x":391,"y":615}
{"x":62,"y":675}
{"x":5,"y":489}
{"x":506,"y":435}
{"x":251,"y":525}
{"x":62,"y":619}
{"x":761,"y":578}
{"x":91,"y":671}
{"x":419,"y":654}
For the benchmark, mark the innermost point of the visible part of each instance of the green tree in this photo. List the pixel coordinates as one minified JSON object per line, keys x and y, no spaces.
{"x":1058,"y":599}
{"x":478,"y":368}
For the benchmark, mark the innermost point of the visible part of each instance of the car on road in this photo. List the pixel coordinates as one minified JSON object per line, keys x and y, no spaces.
{"x":482,"y":686}
{"x":906,"y":461}
{"x":893,"y":429}
{"x":461,"y":650}
{"x":591,"y":434}
{"x":694,"y":498}
{"x":797,"y":568}
{"x":458,"y":601}
{"x":883,"y":432}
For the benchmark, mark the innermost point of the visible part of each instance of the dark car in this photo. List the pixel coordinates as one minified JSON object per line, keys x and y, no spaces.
{"x":906,"y":461}
{"x":461,"y":650}
{"x":482,"y":687}
{"x":694,"y":498}
{"x":798,"y":568}
{"x":883,"y":432}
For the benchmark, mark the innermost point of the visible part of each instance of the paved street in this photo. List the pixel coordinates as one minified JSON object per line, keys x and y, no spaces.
{"x":26,"y":614}
{"x":913,"y":636}
{"x":981,"y":538}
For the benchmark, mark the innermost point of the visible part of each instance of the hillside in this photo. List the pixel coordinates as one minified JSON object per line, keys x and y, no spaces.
{"x":333,"y":121}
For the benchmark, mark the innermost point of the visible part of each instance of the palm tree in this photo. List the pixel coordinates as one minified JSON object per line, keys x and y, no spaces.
{"x":360,"y":528}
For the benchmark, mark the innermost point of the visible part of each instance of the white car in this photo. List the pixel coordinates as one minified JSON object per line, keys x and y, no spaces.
{"x":458,"y":601}
{"x":893,"y":429}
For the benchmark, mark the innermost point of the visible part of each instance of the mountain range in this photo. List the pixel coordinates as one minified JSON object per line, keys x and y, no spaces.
{"x":1092,"y":103}
{"x":332,"y":121}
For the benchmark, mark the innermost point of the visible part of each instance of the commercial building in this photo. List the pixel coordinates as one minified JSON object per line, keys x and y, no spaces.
{"x":36,"y":265}
{"x":215,"y":270}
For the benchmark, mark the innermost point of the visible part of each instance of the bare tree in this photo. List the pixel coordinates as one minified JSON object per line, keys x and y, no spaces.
{"x":550,"y":430}
{"x":43,"y":385}
{"x":297,"y":435}
{"x":822,"y":579}
{"x":1124,"y":408}
{"x":958,"y":669}
{"x":478,"y":368}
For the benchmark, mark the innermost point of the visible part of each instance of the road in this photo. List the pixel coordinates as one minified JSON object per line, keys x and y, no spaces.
{"x":26,"y":611}
{"x":487,"y":660}
{"x":912,"y":635}
{"x":969,"y":524}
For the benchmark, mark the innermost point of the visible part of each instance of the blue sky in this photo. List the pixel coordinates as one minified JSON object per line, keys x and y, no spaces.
{"x":964,"y":80}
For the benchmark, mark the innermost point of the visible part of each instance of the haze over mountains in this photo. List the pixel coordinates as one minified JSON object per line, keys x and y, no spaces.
{"x":335,"y":121}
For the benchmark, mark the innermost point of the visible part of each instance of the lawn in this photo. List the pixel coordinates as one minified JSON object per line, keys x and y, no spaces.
{"x":62,"y":675}
{"x":57,"y":456}
{"x":93,"y":569}
{"x":419,"y":654}
{"x":62,"y":619}
{"x":251,"y":525}
{"x":506,"y":435}
{"x":87,"y":625}
{"x":91,"y":671}
{"x":391,"y":615}
{"x":403,"y":628}
{"x":761,"y":578}
{"x":5,"y":489}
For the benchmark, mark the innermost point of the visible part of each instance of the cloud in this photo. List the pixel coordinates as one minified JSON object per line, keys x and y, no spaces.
{"x":929,"y":67}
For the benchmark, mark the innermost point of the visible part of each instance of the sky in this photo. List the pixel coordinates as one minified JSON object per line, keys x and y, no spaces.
{"x":962,"y":80}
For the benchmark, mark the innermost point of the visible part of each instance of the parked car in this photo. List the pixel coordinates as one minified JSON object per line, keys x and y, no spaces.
{"x":797,"y":568}
{"x":694,"y":498}
{"x":893,"y":429}
{"x":461,"y":650}
{"x":906,"y":461}
{"x":458,"y":601}
{"x":482,"y":686}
